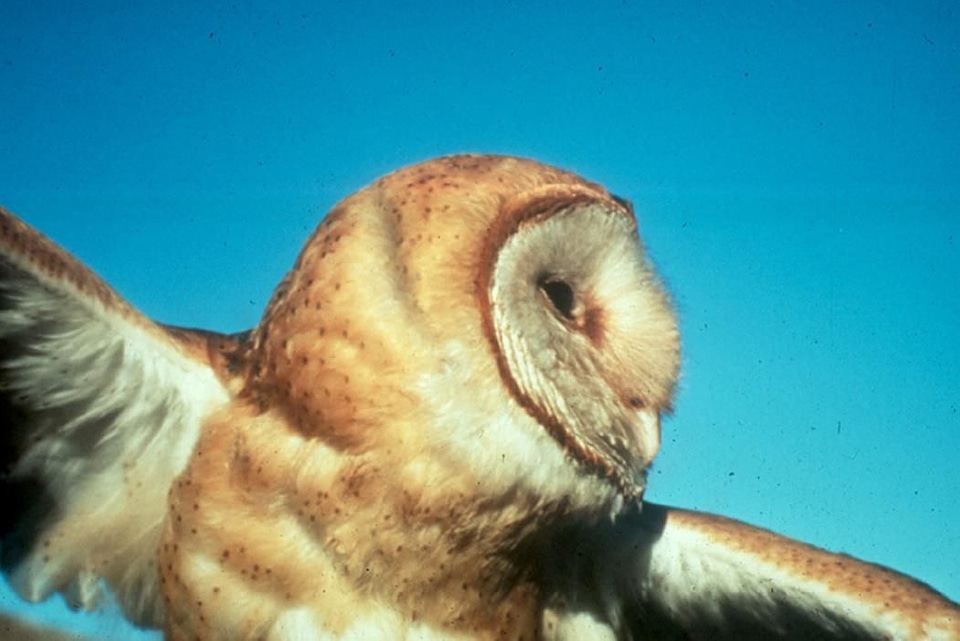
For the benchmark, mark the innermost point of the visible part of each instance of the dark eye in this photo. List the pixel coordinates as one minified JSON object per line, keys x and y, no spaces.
{"x":560,"y":295}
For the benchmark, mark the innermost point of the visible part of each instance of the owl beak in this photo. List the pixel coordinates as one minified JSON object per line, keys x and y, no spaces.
{"x":644,"y":443}
{"x":647,"y":428}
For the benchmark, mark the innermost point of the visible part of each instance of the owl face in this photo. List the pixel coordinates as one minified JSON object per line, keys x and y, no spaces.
{"x":509,"y":300}
{"x":582,"y":332}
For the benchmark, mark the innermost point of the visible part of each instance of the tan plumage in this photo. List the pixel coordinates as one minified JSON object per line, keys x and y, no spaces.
{"x":439,"y":429}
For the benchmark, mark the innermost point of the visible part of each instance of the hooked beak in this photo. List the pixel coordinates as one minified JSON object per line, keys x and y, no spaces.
{"x":647,"y":428}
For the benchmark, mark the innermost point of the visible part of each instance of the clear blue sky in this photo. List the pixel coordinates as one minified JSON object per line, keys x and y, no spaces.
{"x":795,"y":167}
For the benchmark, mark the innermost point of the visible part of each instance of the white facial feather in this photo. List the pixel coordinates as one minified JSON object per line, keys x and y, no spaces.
{"x":482,"y":431}
{"x":588,"y":335}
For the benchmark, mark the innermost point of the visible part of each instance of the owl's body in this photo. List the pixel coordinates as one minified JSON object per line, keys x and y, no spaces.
{"x":378,"y":451}
{"x":439,"y":430}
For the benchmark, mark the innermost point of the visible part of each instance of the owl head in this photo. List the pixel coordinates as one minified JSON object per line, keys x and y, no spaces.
{"x":488,"y":314}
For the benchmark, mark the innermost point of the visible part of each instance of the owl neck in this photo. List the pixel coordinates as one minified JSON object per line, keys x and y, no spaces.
{"x":387,"y":532}
{"x":443,"y":553}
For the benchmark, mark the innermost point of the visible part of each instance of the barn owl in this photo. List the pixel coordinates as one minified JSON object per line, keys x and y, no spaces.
{"x":439,"y":430}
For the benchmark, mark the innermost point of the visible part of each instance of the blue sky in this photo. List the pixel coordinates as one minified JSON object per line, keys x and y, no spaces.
{"x":793,"y":164}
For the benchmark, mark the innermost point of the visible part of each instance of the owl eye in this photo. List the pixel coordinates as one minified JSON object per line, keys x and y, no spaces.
{"x":561,"y":297}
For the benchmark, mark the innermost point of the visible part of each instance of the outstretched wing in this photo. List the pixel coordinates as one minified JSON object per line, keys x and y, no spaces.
{"x":666,"y":573}
{"x":100,"y":409}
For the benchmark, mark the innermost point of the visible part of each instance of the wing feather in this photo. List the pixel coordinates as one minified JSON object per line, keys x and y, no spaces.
{"x":666,"y":573}
{"x":101,"y":409}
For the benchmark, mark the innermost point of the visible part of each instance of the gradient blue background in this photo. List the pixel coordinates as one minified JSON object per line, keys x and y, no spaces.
{"x":794,"y":165}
